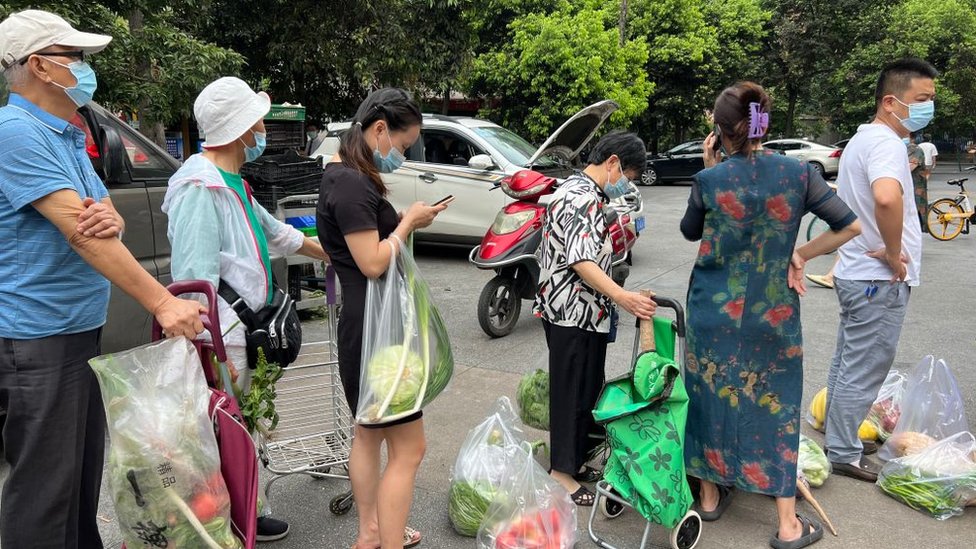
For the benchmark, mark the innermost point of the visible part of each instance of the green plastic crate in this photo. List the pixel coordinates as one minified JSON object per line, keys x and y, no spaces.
{"x":286,"y":113}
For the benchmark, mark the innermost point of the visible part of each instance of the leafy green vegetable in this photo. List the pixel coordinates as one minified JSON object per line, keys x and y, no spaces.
{"x":468,"y":505}
{"x":813,"y":462}
{"x":940,"y":497}
{"x":532,"y":396}
{"x":259,"y":402}
{"x":383,"y":370}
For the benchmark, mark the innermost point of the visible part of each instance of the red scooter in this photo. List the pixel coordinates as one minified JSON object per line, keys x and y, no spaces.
{"x":512,"y":247}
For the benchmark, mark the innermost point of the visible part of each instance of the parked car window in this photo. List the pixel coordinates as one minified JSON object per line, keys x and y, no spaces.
{"x":516,"y":150}
{"x":443,"y":147}
{"x":144,"y":160}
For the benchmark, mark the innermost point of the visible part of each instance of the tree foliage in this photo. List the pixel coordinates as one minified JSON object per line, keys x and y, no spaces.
{"x":554,"y":64}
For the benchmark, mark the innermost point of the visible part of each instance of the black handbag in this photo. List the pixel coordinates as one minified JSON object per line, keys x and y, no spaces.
{"x":274,"y":329}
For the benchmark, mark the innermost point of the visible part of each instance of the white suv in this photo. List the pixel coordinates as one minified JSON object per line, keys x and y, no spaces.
{"x":465,"y":157}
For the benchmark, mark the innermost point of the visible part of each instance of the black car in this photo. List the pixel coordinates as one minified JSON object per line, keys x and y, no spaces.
{"x":677,"y":164}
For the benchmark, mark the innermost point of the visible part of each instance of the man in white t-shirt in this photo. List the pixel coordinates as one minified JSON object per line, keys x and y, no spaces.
{"x":876,"y":270}
{"x":930,"y":154}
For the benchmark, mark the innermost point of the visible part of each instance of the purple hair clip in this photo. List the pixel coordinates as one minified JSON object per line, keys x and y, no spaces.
{"x":758,"y":121}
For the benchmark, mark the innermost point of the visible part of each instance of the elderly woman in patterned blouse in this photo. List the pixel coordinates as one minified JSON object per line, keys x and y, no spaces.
{"x":576,"y":299}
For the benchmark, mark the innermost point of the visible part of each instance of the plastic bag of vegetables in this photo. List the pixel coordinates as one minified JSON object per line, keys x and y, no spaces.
{"x":939,"y":480}
{"x":480,"y":468}
{"x":530,"y":509}
{"x":163,"y":463}
{"x":407,"y":359}
{"x":532,"y":397}
{"x":931,"y":410}
{"x":812,"y":462}
{"x":886,"y":409}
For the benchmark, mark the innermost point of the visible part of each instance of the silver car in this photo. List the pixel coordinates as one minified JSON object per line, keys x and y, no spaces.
{"x":825,"y":158}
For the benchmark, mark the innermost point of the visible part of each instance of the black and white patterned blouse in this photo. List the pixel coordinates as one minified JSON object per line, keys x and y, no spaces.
{"x":575,"y":231}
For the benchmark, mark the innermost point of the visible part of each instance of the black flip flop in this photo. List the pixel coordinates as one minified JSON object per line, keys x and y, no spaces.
{"x":725,"y":494}
{"x":588,"y":474}
{"x":812,"y":532}
{"x":583,"y":497}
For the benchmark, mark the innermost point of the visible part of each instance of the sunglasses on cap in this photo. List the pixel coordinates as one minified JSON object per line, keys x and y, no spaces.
{"x":74,"y":54}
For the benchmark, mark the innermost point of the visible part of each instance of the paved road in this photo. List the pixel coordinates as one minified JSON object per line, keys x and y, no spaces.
{"x":939,"y":321}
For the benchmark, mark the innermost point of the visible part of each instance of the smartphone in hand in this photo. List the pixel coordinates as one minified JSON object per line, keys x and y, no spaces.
{"x":446,"y":200}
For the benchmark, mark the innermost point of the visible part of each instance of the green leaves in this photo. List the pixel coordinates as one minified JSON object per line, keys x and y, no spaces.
{"x":258,"y":404}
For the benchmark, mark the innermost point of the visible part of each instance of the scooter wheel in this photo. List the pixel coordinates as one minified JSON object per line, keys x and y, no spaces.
{"x":341,"y":504}
{"x":499,"y":307}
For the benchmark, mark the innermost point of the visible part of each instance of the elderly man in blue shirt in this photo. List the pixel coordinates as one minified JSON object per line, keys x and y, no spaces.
{"x":60,"y":251}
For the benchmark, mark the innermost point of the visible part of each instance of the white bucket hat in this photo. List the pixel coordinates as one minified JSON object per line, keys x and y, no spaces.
{"x":227,"y":108}
{"x":30,"y":31}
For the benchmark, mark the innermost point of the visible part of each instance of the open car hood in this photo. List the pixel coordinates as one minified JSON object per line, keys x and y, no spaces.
{"x":575,"y":133}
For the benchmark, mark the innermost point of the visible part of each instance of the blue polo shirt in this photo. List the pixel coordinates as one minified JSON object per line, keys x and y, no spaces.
{"x":45,"y":287}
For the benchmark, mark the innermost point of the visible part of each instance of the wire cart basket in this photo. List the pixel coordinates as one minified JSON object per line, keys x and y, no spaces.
{"x":315,"y":427}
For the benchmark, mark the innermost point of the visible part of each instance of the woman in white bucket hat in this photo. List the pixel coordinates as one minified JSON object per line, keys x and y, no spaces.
{"x":218,"y":231}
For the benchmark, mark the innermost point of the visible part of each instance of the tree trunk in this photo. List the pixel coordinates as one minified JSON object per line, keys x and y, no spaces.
{"x":622,"y":24}
{"x":446,"y":102}
{"x":792,"y":95}
{"x":142,"y":70}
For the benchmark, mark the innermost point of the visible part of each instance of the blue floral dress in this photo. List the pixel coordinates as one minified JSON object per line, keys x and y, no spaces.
{"x":745,"y":355}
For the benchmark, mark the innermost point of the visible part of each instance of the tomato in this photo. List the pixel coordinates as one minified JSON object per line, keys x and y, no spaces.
{"x":205,"y":506}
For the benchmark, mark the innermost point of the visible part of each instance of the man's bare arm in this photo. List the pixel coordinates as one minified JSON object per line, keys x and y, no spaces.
{"x":112,"y":259}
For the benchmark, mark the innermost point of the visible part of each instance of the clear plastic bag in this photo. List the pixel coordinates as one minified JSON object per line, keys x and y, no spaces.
{"x":939,"y":480}
{"x":530,"y":510}
{"x":886,"y":409}
{"x":931,"y":410}
{"x":163,"y":464}
{"x":812,"y":462}
{"x":481,"y":466}
{"x":407,"y":359}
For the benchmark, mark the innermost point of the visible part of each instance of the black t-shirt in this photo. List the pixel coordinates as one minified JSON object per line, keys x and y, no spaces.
{"x":349,"y":203}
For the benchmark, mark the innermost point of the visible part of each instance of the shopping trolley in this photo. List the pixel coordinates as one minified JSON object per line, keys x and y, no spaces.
{"x":644,"y":412}
{"x":315,"y":427}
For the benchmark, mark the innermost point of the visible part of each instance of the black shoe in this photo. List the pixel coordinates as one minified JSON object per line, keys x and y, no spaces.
{"x":864,"y":470}
{"x":271,"y":529}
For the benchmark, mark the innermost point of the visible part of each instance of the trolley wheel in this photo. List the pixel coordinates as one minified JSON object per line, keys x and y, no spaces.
{"x":341,"y":504}
{"x":499,"y":307}
{"x":687,"y":533}
{"x":610,"y":508}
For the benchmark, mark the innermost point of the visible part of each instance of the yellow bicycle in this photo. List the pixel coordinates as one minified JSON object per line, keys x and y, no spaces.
{"x":947,"y":218}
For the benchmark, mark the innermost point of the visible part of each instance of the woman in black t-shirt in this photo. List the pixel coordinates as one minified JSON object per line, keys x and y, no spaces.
{"x":354,"y":223}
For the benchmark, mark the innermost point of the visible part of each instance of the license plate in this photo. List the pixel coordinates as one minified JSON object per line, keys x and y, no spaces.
{"x":639,"y":224}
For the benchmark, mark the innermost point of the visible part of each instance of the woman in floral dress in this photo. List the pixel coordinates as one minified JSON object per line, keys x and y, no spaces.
{"x":745,"y":354}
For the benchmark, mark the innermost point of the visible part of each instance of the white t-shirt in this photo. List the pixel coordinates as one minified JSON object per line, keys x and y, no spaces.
{"x":876,"y":152}
{"x":930,"y":152}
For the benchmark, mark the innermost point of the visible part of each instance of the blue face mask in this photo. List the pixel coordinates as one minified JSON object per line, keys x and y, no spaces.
{"x":617,"y":189}
{"x":392,"y":161}
{"x":919,"y":115}
{"x":253,"y":153}
{"x":86,"y":83}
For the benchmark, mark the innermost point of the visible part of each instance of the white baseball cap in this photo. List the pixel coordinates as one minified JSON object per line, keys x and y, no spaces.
{"x":30,"y":31}
{"x":227,"y":108}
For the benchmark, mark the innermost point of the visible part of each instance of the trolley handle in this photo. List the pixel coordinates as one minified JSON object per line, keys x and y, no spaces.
{"x":211,"y":320}
{"x":645,"y":340}
{"x":646,"y":328}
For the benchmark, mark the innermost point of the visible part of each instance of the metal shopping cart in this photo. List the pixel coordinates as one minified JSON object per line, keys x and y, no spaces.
{"x":315,"y":427}
{"x":644,"y":412}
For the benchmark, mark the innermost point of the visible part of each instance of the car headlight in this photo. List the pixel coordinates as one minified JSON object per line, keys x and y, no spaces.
{"x":506,"y":223}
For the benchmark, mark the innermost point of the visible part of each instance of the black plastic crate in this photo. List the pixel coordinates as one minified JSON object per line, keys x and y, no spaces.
{"x":275,"y":169}
{"x":284,"y":135}
{"x":269,"y":195}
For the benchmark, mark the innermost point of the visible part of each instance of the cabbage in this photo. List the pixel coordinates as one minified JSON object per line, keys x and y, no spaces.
{"x":532,"y":396}
{"x":383,"y":369}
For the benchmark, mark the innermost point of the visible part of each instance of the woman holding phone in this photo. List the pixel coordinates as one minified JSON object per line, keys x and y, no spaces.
{"x":355,"y":222}
{"x":744,"y":363}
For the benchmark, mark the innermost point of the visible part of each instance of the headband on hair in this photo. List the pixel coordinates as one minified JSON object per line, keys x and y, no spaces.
{"x":758,"y":121}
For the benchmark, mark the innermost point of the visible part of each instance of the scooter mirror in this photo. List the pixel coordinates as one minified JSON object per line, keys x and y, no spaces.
{"x":481,"y":162}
